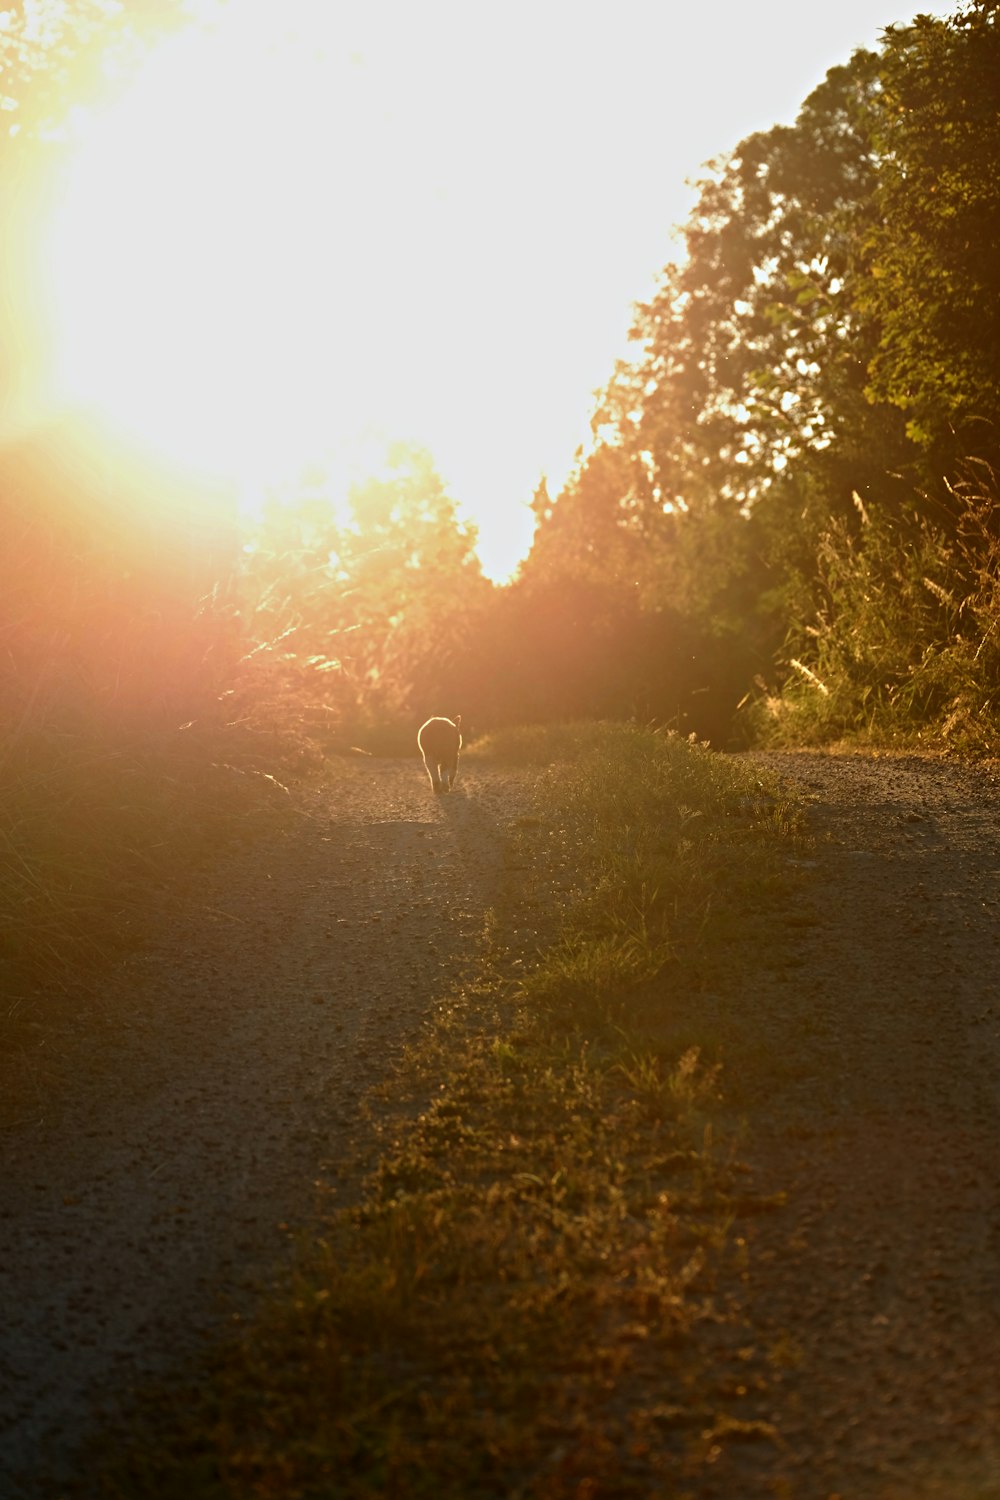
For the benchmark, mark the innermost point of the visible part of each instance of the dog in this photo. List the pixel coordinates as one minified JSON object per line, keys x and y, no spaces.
{"x":440,"y":740}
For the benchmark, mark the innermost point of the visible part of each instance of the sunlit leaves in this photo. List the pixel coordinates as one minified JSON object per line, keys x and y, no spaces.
{"x":52,"y":52}
{"x":384,"y":586}
{"x":935,"y":246}
{"x":837,"y":271}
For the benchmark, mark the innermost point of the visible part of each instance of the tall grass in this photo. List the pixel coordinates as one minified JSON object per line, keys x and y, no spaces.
{"x":905,"y":648}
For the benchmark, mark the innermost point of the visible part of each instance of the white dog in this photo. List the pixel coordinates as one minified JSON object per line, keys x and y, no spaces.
{"x":440,"y":741}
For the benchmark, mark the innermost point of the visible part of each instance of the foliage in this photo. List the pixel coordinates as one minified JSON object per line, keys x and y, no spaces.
{"x":373,"y":601}
{"x":933,"y":291}
{"x":753,"y":354}
{"x":523,"y":1301}
{"x":623,"y":611}
{"x":49,"y":52}
{"x":55,"y":54}
{"x":830,"y":333}
{"x":836,"y":269}
{"x":742,"y":422}
{"x":904,"y":647}
{"x":598,"y":526}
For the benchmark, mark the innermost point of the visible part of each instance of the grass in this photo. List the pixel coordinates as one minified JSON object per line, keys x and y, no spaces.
{"x":524,"y":1300}
{"x":903,"y":652}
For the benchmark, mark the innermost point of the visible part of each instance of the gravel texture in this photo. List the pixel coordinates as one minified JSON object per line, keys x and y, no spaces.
{"x":875,"y":1293}
{"x":228,"y":1077}
{"x":223,"y":1081}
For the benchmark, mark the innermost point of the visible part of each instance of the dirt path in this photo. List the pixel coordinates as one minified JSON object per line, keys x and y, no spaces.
{"x":868,"y":1063}
{"x":226,"y":1078}
{"x":877,"y":1107}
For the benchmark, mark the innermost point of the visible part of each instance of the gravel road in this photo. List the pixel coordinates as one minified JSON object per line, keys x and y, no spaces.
{"x":228,"y":1075}
{"x":226,"y":1079}
{"x":876,"y":1291}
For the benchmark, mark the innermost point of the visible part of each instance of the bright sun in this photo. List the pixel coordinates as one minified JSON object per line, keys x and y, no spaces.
{"x":240,"y":269}
{"x":205,"y":279}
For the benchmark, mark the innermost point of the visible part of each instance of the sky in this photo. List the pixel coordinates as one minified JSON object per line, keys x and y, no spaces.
{"x":406,"y":218}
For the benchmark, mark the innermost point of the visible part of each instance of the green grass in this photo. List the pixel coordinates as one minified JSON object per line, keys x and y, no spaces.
{"x":525,"y":1299}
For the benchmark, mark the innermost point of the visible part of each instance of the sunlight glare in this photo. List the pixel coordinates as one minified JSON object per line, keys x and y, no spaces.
{"x":298,"y":227}
{"x":309,"y":220}
{"x":203,"y":273}
{"x":237,"y":267}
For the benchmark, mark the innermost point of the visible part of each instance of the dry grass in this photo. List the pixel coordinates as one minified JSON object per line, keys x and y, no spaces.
{"x":904,"y":651}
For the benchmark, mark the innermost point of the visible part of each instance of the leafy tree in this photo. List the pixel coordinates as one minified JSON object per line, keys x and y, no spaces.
{"x":415,"y":580}
{"x":752,"y":413}
{"x":598,"y":525}
{"x":55,"y":53}
{"x":934,"y":246}
{"x":46,"y":53}
{"x":56,"y":56}
{"x":379,"y":598}
{"x":753,"y":352}
{"x":601,"y":619}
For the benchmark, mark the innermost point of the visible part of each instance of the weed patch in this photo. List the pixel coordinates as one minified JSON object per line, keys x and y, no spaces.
{"x":903,"y":651}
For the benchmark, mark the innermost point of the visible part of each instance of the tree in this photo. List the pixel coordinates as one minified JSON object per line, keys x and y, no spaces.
{"x":56,"y":56}
{"x":754,"y":352}
{"x":379,"y":596}
{"x":417,"y":584}
{"x":933,"y":249}
{"x":55,"y":53}
{"x":830,"y":333}
{"x":596,"y":528}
